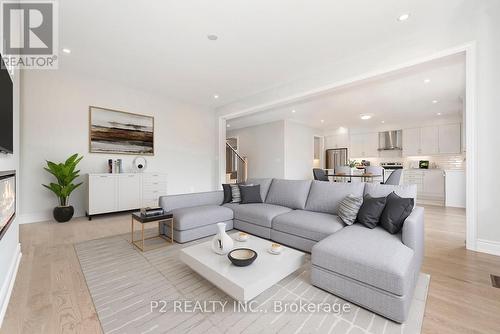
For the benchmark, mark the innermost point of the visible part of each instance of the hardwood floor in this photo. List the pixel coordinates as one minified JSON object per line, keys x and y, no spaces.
{"x":50,"y":294}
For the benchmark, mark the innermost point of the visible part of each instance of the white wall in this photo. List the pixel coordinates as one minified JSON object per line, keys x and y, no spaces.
{"x":281,"y":149}
{"x":264,"y":146}
{"x":299,"y":151}
{"x":484,"y":29}
{"x":10,"y":250}
{"x":55,"y":124}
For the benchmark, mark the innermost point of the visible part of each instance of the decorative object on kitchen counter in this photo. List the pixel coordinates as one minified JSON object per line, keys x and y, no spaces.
{"x":423,"y":164}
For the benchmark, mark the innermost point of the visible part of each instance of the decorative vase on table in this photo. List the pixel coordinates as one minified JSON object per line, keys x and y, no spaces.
{"x":222,"y":242}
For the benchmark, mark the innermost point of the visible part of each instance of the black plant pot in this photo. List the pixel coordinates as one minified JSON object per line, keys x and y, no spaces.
{"x":63,"y":213}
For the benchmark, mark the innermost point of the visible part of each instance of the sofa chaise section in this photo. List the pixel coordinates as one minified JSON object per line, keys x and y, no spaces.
{"x":372,"y":267}
{"x":196,"y":215}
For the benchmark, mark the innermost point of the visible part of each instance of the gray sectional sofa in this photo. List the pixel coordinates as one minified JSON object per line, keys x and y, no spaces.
{"x":370,"y":267}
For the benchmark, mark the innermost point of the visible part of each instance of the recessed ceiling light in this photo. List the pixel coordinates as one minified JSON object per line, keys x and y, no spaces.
{"x":427,"y":80}
{"x":322,"y":121}
{"x":403,"y":17}
{"x":439,"y":114}
{"x":228,"y":125}
{"x":65,"y":50}
{"x":293,"y":111}
{"x":216,"y":96}
{"x":382,"y":122}
{"x":212,"y":37}
{"x":434,"y":101}
{"x":365,"y":116}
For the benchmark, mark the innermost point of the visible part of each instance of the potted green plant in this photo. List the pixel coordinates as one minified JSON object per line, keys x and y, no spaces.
{"x":65,"y":174}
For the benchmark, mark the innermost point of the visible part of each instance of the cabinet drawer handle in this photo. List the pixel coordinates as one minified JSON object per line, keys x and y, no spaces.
{"x":103,"y":176}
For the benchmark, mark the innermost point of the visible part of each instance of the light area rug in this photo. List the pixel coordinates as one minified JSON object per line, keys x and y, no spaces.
{"x":135,"y":292}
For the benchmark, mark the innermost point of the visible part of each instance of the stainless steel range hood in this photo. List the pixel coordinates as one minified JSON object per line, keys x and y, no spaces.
{"x":390,"y":140}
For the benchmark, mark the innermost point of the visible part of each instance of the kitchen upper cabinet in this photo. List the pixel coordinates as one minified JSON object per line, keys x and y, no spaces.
{"x":356,"y":146}
{"x":371,"y":144}
{"x":364,"y":145}
{"x":432,"y":140}
{"x":429,"y":140}
{"x":450,"y":138}
{"x":411,"y":142}
{"x":337,"y":141}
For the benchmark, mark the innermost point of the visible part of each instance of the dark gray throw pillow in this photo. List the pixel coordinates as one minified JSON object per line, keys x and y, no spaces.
{"x":228,"y":195}
{"x":250,"y":194}
{"x":370,"y":211}
{"x":397,"y":209}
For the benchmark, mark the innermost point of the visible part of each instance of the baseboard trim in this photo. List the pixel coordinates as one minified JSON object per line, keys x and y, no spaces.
{"x":488,"y":246}
{"x":8,"y":285}
{"x":29,"y":218}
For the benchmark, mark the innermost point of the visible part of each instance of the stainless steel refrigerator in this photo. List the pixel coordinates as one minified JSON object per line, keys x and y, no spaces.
{"x":336,"y":157}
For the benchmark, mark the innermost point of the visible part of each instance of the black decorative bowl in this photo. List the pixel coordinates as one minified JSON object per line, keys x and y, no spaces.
{"x":242,"y":257}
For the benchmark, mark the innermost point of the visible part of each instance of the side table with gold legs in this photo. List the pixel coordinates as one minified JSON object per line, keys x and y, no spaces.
{"x":165,"y":218}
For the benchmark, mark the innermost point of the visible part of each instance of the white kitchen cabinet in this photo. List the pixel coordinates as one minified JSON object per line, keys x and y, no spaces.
{"x":356,"y":150}
{"x":433,"y":185}
{"x":411,"y":142}
{"x":450,"y":138}
{"x":337,"y":141}
{"x":455,"y":185}
{"x":122,"y":192}
{"x":432,"y":140}
{"x":429,"y":140}
{"x":429,"y":182}
{"x":371,"y":144}
{"x":364,"y":145}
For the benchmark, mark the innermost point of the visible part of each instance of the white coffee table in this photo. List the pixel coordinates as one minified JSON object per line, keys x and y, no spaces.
{"x":243,"y":283}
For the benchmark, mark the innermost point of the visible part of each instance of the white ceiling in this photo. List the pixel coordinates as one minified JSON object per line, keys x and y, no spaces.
{"x":401,"y":97}
{"x":162,"y":46}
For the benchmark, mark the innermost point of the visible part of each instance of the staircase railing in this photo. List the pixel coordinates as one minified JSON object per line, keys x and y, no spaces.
{"x":236,"y":165}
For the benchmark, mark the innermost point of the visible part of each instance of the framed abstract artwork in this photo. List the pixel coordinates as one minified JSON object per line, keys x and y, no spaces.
{"x":120,"y":132}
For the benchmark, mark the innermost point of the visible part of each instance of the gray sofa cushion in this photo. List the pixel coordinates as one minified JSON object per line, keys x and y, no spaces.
{"x":193,"y":217}
{"x":289,"y":193}
{"x":326,"y":196}
{"x":171,"y":202}
{"x":374,"y":257}
{"x":264,"y":186}
{"x":306,"y":224}
{"x":258,"y":213}
{"x":383,"y":190}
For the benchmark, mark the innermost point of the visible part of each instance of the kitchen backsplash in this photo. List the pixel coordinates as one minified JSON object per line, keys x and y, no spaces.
{"x":451,"y":161}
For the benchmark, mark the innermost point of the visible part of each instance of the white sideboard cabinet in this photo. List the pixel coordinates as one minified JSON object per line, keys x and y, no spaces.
{"x":108,"y":193}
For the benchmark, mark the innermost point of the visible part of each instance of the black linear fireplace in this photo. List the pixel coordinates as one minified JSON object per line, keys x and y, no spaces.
{"x":7,"y":200}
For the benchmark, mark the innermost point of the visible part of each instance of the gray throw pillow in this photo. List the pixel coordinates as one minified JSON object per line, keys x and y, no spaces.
{"x":235,"y":192}
{"x":348,"y":209}
{"x":397,"y":209}
{"x":228,"y":196}
{"x":250,"y":194}
{"x":370,"y":211}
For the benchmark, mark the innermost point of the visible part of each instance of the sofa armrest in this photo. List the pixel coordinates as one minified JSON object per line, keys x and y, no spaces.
{"x":171,"y":202}
{"x":413,"y":232}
